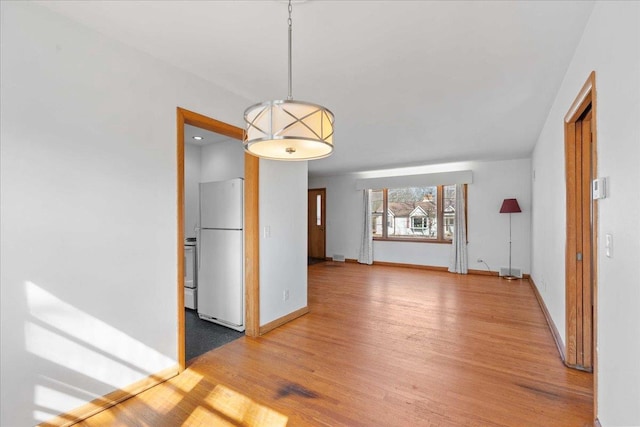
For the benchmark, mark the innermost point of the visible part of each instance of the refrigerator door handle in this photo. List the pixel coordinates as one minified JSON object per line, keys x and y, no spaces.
{"x":198,"y":252}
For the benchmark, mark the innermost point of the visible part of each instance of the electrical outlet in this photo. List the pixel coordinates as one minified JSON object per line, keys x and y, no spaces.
{"x":480,"y":260}
{"x":285,"y":295}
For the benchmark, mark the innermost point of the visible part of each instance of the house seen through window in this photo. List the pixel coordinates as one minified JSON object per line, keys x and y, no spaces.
{"x":414,"y":213}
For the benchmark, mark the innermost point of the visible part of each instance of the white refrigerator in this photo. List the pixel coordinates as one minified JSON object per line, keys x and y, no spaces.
{"x":221,"y":253}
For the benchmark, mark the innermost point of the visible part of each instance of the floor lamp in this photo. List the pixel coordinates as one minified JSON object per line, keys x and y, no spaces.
{"x":510,"y":206}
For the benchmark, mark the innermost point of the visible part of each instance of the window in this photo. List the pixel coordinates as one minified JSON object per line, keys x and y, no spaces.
{"x":415,"y":213}
{"x":319,"y":209}
{"x":418,"y":223}
{"x":377,"y":216}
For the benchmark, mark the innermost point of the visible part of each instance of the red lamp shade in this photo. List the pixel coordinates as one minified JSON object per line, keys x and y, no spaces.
{"x":510,"y":206}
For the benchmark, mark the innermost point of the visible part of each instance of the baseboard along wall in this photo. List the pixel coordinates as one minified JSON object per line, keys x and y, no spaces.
{"x":424,"y":267}
{"x":282,"y":320}
{"x":550,"y":322}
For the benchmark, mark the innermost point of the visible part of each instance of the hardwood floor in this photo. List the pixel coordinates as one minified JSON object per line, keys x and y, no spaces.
{"x":381,"y":346}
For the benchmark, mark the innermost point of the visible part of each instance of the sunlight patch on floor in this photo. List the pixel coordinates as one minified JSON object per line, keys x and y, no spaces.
{"x":243,"y":410}
{"x":203,"y":417}
{"x":188,"y":380}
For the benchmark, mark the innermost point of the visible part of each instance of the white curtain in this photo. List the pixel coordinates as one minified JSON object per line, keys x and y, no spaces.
{"x":459,"y":262}
{"x":366,"y":244}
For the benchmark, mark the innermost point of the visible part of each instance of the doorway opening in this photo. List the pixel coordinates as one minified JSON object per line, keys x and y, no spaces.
{"x":582,"y":236}
{"x":251,"y":262}
{"x":213,"y":280}
{"x":316,"y":223}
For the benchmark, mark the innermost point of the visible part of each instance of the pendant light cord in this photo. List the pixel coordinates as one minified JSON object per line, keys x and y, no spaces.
{"x":290,"y":96}
{"x":294,"y":131}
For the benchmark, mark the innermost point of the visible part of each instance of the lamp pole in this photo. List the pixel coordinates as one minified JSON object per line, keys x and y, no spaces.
{"x":510,"y":206}
{"x":510,"y":275}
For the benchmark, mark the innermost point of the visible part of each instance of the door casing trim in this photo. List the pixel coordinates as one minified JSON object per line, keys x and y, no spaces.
{"x":585,"y":98}
{"x":251,"y":256}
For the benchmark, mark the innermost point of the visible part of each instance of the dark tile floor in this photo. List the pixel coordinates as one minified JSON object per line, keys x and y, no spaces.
{"x":202,"y":336}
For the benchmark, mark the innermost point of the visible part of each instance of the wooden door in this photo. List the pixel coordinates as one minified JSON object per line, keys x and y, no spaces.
{"x":581,"y":232}
{"x":316,"y":223}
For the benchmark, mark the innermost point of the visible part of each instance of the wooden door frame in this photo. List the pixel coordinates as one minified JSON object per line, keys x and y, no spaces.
{"x":586,"y":98}
{"x":324,"y":217}
{"x":251,"y":230}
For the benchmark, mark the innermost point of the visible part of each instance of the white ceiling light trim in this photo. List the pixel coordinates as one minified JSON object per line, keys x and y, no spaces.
{"x":287,"y":129}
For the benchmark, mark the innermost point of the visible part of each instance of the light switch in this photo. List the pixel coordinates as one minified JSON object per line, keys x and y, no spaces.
{"x":267,"y":231}
{"x":608,"y":245}
{"x":599,"y":188}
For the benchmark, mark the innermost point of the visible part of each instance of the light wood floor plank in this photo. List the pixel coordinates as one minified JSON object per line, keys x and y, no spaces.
{"x":382,"y":346}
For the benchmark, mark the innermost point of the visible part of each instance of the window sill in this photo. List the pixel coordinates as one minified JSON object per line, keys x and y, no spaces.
{"x":411,"y":239}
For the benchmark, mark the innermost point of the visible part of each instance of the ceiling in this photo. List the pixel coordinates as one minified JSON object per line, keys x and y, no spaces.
{"x":208,"y":137}
{"x":410,"y":82}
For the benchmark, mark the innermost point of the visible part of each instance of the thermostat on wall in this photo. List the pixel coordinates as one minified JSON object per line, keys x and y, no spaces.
{"x":599,"y":188}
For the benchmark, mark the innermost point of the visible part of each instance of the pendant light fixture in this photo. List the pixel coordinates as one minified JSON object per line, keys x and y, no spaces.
{"x":288,"y":129}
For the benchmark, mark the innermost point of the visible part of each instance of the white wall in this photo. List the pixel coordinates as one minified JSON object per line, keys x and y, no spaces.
{"x":610,"y":46}
{"x":213,"y":162}
{"x":283,"y":248}
{"x":192,"y":156}
{"x":344,"y":214}
{"x":222,"y":160}
{"x":488,"y":230}
{"x":88,"y":211}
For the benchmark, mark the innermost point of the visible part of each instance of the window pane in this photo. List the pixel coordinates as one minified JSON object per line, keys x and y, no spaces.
{"x":449,"y":210}
{"x":318,"y":209}
{"x":377,"y":206}
{"x":413,"y":212}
